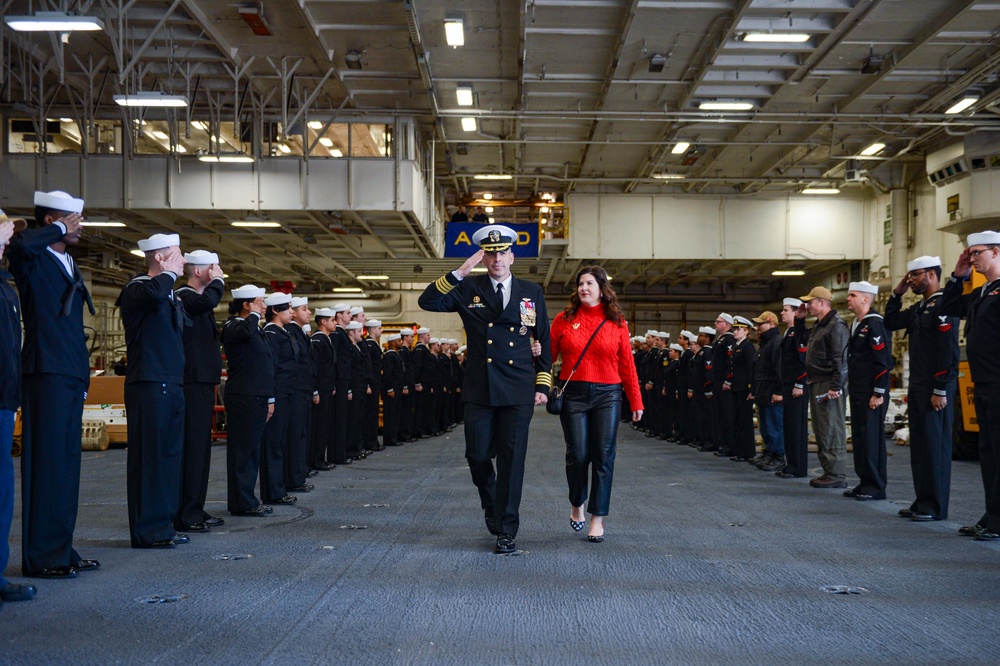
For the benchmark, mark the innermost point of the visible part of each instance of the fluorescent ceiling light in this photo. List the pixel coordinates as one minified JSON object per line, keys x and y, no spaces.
{"x":543,"y":209}
{"x":65,"y":120}
{"x":787,"y":273}
{"x":968,"y":99}
{"x":454,"y":32}
{"x":326,"y":141}
{"x":680,"y":147}
{"x":256,"y":224}
{"x":777,"y":37}
{"x":487,"y":196}
{"x":199,"y":124}
{"x":181,"y":149}
{"x":337,"y":152}
{"x":469,"y":124}
{"x":492,"y":176}
{"x":163,"y":136}
{"x":873,"y":149}
{"x":151,"y":98}
{"x":347,"y":290}
{"x":726,"y":106}
{"x":102,"y":223}
{"x":53,"y":22}
{"x":315,"y":124}
{"x":284,"y":148}
{"x":373,"y":277}
{"x":231,"y":158}
{"x":488,"y":209}
{"x":493,"y":220}
{"x":138,"y":253}
{"x":669,"y":176}
{"x":821,"y":190}
{"x":547,"y":196}
{"x":464,"y":95}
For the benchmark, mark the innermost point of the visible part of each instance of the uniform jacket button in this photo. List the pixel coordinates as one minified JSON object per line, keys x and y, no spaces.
{"x":510,"y":362}
{"x":489,"y":342}
{"x":491,"y":325}
{"x":511,"y":329}
{"x":512,"y":344}
{"x":489,"y":360}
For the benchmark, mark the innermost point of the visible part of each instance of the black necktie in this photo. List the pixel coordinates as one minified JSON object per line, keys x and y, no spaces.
{"x":500,"y":295}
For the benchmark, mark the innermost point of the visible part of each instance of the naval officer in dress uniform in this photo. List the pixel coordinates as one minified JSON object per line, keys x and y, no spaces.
{"x":931,"y":388}
{"x":154,"y":321}
{"x":503,"y":381}
{"x":202,"y":372}
{"x":55,"y":367}
{"x":249,"y":398}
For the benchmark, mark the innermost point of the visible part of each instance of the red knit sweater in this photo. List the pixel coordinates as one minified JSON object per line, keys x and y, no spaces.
{"x":609,"y":358}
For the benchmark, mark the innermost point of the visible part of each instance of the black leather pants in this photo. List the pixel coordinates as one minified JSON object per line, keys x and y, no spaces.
{"x":589,"y":419}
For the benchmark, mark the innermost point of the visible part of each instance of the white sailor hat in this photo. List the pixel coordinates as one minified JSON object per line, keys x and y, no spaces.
{"x":373,"y":323}
{"x":58,"y":200}
{"x":356,"y":310}
{"x":423,"y":330}
{"x":689,"y":335}
{"x":923,"y":262}
{"x":651,"y":333}
{"x":159,"y":241}
{"x":20,"y":224}
{"x":325,"y":312}
{"x":249,"y":291}
{"x":494,"y":238}
{"x":434,"y":341}
{"x":353,"y":326}
{"x":663,"y":334}
{"x":707,"y":330}
{"x":393,"y":336}
{"x":341,"y":307}
{"x":984,"y":238}
{"x":864,"y":287}
{"x":298,"y":301}
{"x":676,"y":347}
{"x":791,"y":302}
{"x":278,"y":298}
{"x":742,"y":322}
{"x":201,"y":258}
{"x":728,"y":318}
{"x":406,"y":331}
{"x":461,"y":350}
{"x":452,"y":341}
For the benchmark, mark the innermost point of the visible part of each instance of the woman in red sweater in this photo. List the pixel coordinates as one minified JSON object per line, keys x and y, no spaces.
{"x":593,"y":398}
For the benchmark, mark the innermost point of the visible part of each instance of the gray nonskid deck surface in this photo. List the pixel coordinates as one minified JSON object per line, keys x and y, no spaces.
{"x":706,"y":561}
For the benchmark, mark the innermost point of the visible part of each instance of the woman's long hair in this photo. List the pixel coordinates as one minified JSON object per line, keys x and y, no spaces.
{"x":609,"y":298}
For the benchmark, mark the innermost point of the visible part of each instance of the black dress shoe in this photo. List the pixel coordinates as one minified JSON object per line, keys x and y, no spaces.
{"x":923,"y":518}
{"x":311,"y":473}
{"x":905,"y":513}
{"x":861,"y":497}
{"x":784,"y":475}
{"x":181,"y":538}
{"x":212,"y":521}
{"x":852,"y":492}
{"x":325,"y":466}
{"x":287,"y":499}
{"x":970,"y":530}
{"x":163,"y":543}
{"x":505,"y":545}
{"x":258,"y":511}
{"x":15,"y":592}
{"x":737,"y":458}
{"x":302,"y":489}
{"x":55,"y":572}
{"x":87,"y":565}
{"x":723,"y":453}
{"x":345,"y":461}
{"x":194,"y":527}
{"x":986,"y":535}
{"x":491,"y":525}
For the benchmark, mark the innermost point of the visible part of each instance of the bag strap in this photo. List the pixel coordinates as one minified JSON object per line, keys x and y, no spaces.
{"x":582,"y":354}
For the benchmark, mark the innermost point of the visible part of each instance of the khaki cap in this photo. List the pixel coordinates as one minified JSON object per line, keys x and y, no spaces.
{"x":19,"y":222}
{"x":818,"y":292}
{"x":767,"y":316}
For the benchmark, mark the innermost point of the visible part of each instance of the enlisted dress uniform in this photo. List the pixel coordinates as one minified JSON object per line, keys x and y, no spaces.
{"x":296,"y":463}
{"x":700,"y":385}
{"x":743,"y":355}
{"x":933,"y":371}
{"x":654,"y":406}
{"x":249,"y":391}
{"x":423,"y":375}
{"x":407,"y":426}
{"x":671,"y":400}
{"x":10,"y":399}
{"x":795,"y":419}
{"x":341,"y":405}
{"x":393,"y":379}
{"x":154,"y":321}
{"x":684,"y":409}
{"x":202,"y":373}
{"x":869,"y":360}
{"x":374,"y":350}
{"x":444,"y":392}
{"x":501,"y":376}
{"x":639,"y":356}
{"x":724,"y":401}
{"x":323,"y":441}
{"x":766,"y":384}
{"x":456,"y":393}
{"x":360,"y":381}
{"x":55,"y":369}
{"x":274,"y":448}
{"x":981,"y":309}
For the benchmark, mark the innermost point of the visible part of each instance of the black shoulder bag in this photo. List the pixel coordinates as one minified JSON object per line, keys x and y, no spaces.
{"x":555,"y":403}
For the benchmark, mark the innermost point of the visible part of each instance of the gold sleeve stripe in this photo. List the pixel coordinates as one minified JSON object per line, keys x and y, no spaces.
{"x":544,"y":379}
{"x":443,"y":285}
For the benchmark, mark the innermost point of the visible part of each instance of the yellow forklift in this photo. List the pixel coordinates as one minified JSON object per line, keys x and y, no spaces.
{"x":965,"y":439}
